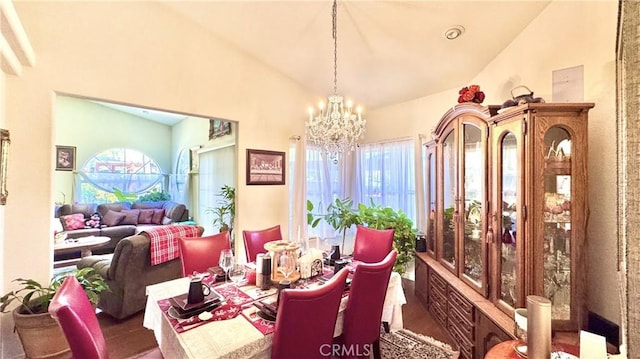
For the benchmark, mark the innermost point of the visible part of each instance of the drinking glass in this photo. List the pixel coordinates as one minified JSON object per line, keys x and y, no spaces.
{"x":237,"y":273}
{"x":226,"y":261}
{"x":286,"y":264}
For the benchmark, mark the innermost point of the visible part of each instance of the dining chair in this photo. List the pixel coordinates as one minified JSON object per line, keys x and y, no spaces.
{"x":71,"y":308}
{"x":254,"y":241}
{"x":197,"y":254}
{"x":306,"y":320}
{"x":363,"y":314}
{"x":372,"y":245}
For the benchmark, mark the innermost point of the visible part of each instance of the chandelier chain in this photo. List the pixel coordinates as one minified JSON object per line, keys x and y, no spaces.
{"x":334,"y":18}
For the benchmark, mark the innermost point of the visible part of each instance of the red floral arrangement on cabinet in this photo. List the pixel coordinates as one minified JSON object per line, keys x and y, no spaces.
{"x":471,"y":93}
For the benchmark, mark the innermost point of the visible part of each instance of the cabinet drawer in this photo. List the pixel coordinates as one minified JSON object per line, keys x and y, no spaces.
{"x":439,"y":312}
{"x":465,"y":346}
{"x":464,"y":327}
{"x":437,"y":282}
{"x":464,"y":307}
{"x":436,"y":296}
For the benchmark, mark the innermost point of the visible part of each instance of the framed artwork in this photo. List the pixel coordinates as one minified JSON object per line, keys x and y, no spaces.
{"x":265,"y":167}
{"x":65,"y":158}
{"x":4,"y":157}
{"x":194,"y":159}
{"x":218,"y":128}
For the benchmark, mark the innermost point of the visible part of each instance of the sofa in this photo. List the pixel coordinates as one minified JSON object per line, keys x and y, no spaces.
{"x":128,"y":273}
{"x":115,"y":220}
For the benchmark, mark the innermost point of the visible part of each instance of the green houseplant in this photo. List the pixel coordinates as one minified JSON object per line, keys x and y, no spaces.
{"x":225,"y":213}
{"x":39,"y":333}
{"x":378,"y":217}
{"x":341,"y":216}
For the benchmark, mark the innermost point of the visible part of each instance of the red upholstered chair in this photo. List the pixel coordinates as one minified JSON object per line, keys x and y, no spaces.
{"x":254,"y":241}
{"x":77,"y":317}
{"x":363,"y":314}
{"x":372,"y":245}
{"x":306,"y":320}
{"x":197,"y":254}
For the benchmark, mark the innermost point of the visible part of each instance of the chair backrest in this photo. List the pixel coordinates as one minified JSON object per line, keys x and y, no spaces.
{"x":197,"y":254}
{"x":254,"y":241}
{"x":306,"y":320}
{"x":363,"y":314}
{"x":372,"y":245}
{"x":77,"y":317}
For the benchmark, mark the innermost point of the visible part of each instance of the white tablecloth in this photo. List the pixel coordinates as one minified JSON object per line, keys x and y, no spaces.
{"x":236,"y":338}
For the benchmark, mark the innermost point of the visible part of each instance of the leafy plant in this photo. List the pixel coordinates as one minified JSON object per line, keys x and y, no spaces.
{"x":35,"y":298}
{"x":224,"y":215}
{"x":341,"y":216}
{"x":378,"y":217}
{"x":124,"y":197}
{"x":154,"y":196}
{"x":312,"y":219}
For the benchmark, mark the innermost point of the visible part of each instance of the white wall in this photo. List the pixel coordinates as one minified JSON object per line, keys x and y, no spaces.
{"x":565,"y":34}
{"x":134,"y":53}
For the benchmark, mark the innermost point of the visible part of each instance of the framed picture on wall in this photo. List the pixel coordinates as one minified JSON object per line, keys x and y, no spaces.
{"x":265,"y":167}
{"x":65,"y":158}
{"x":218,"y":128}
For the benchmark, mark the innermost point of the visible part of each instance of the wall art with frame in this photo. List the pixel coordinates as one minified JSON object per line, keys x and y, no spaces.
{"x":4,"y":158}
{"x":265,"y":167}
{"x":65,"y":158}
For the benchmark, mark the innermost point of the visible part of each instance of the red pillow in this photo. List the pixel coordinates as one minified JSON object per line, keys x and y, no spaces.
{"x":158,"y":214}
{"x":146,"y":216}
{"x":131,"y":216}
{"x":72,"y":221}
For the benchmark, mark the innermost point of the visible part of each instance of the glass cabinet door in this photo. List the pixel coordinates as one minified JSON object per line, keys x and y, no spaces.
{"x":450,"y":215}
{"x":431,"y":200}
{"x":556,"y":232}
{"x":473,"y":196}
{"x":508,"y":168}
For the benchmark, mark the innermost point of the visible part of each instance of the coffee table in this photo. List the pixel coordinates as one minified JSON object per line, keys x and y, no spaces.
{"x":84,"y":245}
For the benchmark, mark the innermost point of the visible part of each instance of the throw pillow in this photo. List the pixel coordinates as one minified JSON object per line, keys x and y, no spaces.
{"x":94,"y":221}
{"x":146,"y":216}
{"x":72,"y":221}
{"x":113,"y":218}
{"x":131,"y":216}
{"x":158,"y":214}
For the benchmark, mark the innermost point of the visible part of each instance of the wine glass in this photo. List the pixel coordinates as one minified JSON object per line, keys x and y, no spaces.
{"x":237,"y":273}
{"x":286,"y":264}
{"x":226,"y":261}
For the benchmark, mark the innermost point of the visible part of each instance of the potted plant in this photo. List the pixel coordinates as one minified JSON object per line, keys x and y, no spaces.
{"x":341,"y":216}
{"x":378,"y":217}
{"x":224,"y":215}
{"x":39,"y":333}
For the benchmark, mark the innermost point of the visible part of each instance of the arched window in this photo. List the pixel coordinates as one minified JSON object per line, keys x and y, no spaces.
{"x":129,"y":171}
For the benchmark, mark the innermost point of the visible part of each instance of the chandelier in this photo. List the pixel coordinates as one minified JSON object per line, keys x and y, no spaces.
{"x":336,"y":128}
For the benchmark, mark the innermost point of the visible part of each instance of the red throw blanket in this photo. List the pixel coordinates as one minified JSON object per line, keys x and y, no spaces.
{"x":164,"y":241}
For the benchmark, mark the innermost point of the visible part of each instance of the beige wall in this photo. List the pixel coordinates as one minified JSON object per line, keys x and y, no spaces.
{"x":565,"y":34}
{"x":135,"y":53}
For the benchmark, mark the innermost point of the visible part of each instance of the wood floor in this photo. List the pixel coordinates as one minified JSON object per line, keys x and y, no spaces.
{"x":128,"y":338}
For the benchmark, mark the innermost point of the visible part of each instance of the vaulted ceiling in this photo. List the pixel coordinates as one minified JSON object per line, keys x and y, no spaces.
{"x":388,"y":51}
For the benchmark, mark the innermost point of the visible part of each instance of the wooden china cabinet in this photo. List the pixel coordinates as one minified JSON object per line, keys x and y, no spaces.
{"x":507,"y":201}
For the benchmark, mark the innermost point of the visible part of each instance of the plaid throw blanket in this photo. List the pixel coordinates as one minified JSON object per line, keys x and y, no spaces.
{"x":164,"y":241}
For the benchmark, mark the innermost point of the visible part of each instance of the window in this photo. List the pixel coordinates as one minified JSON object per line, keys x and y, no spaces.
{"x":123,"y":169}
{"x":387,"y":176}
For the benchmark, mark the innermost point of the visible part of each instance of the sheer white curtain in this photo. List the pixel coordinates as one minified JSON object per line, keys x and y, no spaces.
{"x":386,"y":175}
{"x":216,"y":169}
{"x":298,"y":190}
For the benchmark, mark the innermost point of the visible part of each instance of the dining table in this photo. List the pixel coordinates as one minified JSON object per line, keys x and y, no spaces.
{"x":237,"y":330}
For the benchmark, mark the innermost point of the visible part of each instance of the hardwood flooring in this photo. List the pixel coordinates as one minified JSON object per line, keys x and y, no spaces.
{"x":128,"y":338}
